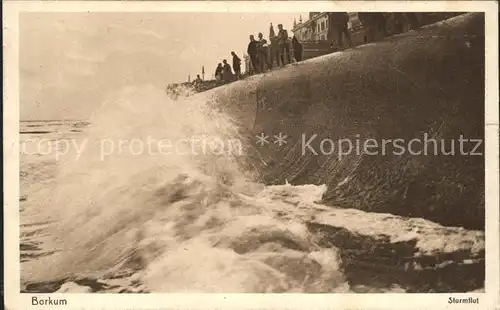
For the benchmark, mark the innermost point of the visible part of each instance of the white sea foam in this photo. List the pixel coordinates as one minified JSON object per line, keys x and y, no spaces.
{"x":182,"y":223}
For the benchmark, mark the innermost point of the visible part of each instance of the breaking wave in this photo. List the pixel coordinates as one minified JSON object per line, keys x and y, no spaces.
{"x":187,"y":221}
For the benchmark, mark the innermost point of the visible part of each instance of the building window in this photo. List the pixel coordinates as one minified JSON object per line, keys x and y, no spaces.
{"x":322,"y":26}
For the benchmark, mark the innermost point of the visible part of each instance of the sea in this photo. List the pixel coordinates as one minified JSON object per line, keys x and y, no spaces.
{"x":145,"y":196}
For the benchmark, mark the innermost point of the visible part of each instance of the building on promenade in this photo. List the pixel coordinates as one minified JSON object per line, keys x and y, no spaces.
{"x":316,"y":27}
{"x":317,"y":40}
{"x":314,"y":35}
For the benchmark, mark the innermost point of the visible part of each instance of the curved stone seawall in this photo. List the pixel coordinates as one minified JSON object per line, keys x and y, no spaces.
{"x":426,"y":84}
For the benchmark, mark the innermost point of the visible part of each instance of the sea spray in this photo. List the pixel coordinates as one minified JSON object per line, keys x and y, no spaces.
{"x":182,"y":222}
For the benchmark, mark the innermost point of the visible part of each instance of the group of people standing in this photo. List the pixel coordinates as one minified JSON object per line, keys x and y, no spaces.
{"x":224,"y":73}
{"x":263,"y":54}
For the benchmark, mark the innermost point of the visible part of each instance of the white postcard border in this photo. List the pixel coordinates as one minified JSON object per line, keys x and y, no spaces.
{"x":16,"y":300}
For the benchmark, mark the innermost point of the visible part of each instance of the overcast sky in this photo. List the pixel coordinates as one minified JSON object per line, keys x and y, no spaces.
{"x":69,"y":61}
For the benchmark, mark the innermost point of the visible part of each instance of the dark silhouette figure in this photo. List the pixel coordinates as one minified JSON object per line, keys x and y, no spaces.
{"x":337,"y":27}
{"x":274,"y":52}
{"x":227,"y":73}
{"x":236,"y":65}
{"x":262,"y":48}
{"x":284,"y":47}
{"x":218,"y":73}
{"x":297,"y":49}
{"x":252,"y":53}
{"x":198,"y":83}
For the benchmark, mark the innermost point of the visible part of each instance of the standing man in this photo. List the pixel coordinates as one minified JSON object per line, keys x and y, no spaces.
{"x":275,"y":52}
{"x":284,"y":48}
{"x":262,"y":52}
{"x":273,"y":47}
{"x":337,"y":26}
{"x":236,"y":65}
{"x":252,"y":53}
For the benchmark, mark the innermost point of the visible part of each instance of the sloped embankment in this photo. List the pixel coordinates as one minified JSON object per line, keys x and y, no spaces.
{"x":424,"y":85}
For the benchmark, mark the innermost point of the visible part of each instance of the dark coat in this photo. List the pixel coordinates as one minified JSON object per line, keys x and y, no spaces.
{"x":218,"y":70}
{"x":227,"y":69}
{"x":282,"y":36}
{"x":236,"y":62}
{"x":252,"y":48}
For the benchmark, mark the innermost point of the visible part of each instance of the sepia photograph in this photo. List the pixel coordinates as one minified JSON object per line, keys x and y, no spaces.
{"x":254,"y":152}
